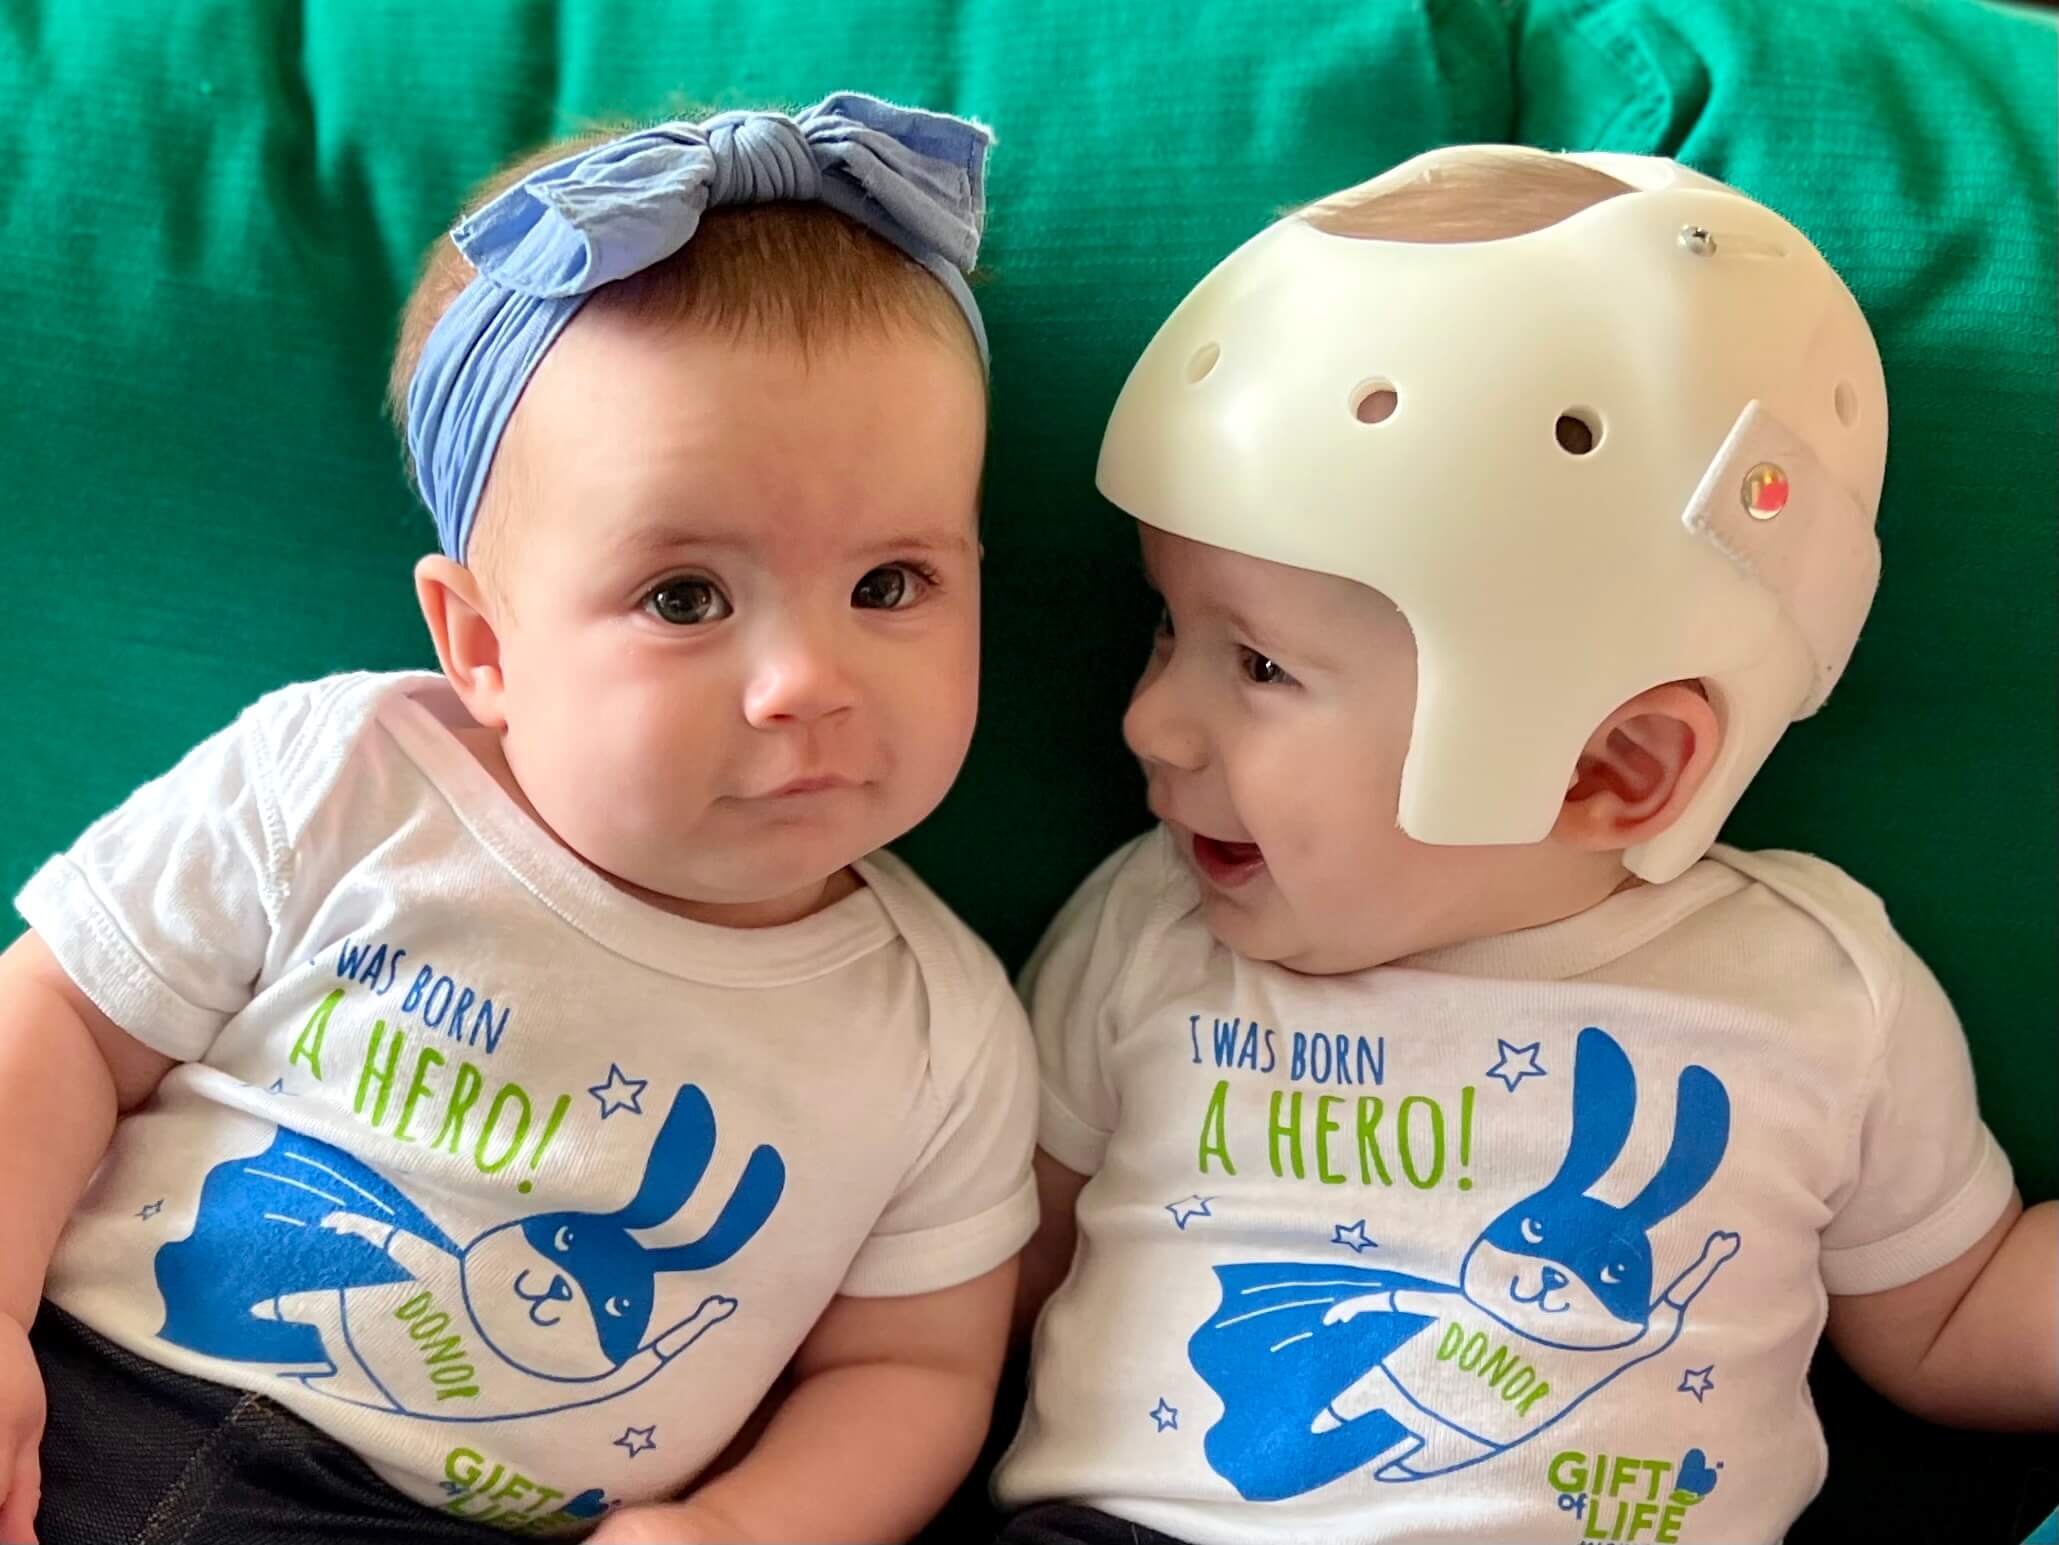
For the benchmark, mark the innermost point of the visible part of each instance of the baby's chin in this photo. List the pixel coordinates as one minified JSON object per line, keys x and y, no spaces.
{"x":758,"y":862}
{"x":756,"y":891}
{"x":1258,"y":933}
{"x":769,"y":873}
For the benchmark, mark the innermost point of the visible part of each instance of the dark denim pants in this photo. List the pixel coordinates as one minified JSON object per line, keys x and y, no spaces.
{"x":1065,"y":1524}
{"x":135,"y":1454}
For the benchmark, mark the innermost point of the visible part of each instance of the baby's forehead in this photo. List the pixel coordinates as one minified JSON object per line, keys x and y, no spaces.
{"x":626,"y":425}
{"x":1276,"y":598}
{"x":640,"y":525}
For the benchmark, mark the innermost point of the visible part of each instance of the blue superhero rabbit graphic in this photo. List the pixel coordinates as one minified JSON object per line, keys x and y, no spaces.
{"x":1323,"y":1369}
{"x":302,"y":1256}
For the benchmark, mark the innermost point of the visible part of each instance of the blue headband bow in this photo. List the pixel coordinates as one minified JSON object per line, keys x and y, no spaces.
{"x":546,"y":244}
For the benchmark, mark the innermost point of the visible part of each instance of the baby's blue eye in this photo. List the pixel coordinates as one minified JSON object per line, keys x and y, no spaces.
{"x":1533,"y":1231}
{"x":561,"y":1241}
{"x":687,"y":602}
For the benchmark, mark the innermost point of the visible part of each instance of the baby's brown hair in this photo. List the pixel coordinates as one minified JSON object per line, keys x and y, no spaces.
{"x":794,"y":273}
{"x":1474,"y":198}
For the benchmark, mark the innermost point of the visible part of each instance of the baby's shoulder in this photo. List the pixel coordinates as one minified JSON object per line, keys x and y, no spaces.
{"x":1813,"y":893}
{"x":1133,"y":920}
{"x":308,"y":732}
{"x":965,"y":987}
{"x":1138,"y":890}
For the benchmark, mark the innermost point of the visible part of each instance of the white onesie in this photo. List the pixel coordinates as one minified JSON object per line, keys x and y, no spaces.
{"x":1522,"y":1240}
{"x":521,"y":1188}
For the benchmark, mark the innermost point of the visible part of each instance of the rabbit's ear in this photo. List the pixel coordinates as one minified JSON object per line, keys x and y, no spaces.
{"x":756,"y":1194}
{"x":678,"y":1160}
{"x":1701,"y":1131}
{"x":1604,"y":1101}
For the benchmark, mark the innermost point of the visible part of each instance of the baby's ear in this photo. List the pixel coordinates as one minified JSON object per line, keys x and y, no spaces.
{"x":1638,"y":773}
{"x":467,"y":643}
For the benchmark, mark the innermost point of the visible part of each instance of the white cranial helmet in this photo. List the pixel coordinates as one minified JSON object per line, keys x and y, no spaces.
{"x":1719,"y":528}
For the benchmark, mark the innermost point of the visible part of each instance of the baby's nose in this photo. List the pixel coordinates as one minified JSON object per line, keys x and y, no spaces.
{"x":1554,"y":1278}
{"x":1159,"y":733}
{"x":798,"y":679}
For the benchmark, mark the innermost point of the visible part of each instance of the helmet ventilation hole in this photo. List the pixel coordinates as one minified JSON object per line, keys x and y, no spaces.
{"x":1578,"y":431}
{"x":1375,"y":402}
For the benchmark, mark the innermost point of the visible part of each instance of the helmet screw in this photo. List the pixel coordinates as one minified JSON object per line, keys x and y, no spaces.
{"x":1696,"y":239}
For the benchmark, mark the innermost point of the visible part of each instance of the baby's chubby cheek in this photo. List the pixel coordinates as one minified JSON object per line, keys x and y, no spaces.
{"x":916,"y":743}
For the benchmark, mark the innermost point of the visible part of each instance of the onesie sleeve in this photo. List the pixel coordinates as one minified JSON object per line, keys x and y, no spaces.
{"x":969,"y":1203}
{"x":1931,"y":1179}
{"x":1070,"y":986}
{"x":164,"y":909}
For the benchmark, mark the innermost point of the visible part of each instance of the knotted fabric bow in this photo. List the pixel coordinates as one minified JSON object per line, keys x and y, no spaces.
{"x":546,"y":244}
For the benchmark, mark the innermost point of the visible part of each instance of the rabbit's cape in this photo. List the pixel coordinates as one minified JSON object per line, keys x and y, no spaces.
{"x":1273,"y":1362}
{"x":258,"y":1235}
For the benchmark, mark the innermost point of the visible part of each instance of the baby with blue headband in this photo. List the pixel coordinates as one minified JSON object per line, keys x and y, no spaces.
{"x":527,"y":1094}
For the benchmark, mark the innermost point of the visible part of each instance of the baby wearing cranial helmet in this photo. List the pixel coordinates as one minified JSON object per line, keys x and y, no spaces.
{"x":1434,"y":1106}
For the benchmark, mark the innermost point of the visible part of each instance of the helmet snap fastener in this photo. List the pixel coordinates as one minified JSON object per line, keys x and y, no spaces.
{"x":1765,"y":491}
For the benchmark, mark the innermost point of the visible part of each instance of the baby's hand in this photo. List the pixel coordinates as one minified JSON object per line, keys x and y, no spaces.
{"x":22,"y":1409}
{"x":674,"y":1523}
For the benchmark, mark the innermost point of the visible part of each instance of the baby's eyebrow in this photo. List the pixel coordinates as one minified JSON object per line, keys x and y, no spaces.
{"x":663,"y":535}
{"x":1264,"y":639}
{"x":670,"y":535}
{"x":940,"y":541}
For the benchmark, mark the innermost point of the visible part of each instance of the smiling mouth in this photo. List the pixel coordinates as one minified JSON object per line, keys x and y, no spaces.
{"x":1537,"y":1298}
{"x":1227,"y":864}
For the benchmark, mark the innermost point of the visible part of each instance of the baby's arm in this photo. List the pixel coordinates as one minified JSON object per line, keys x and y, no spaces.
{"x":1974,"y":1343}
{"x":1048,"y":1256}
{"x":890,"y":1403}
{"x":66,"y":1072}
